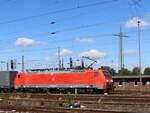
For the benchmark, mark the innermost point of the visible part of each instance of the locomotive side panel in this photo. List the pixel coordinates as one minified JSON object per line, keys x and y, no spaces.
{"x":88,"y":79}
{"x":51,"y":80}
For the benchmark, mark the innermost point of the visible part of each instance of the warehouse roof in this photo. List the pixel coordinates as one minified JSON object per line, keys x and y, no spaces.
{"x":131,"y":76}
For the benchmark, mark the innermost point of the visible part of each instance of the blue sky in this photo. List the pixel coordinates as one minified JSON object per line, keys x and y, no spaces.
{"x":81,"y":27}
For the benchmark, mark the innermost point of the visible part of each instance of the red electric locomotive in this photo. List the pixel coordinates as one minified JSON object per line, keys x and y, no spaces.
{"x":51,"y":80}
{"x":89,"y":79}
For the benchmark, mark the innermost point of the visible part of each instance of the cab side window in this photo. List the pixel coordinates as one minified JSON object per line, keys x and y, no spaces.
{"x":106,"y":74}
{"x":18,"y":76}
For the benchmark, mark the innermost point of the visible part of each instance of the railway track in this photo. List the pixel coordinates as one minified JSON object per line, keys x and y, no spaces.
{"x":87,"y":98}
{"x":60,"y":102}
{"x":58,"y":110}
{"x":35,"y":95}
{"x":78,"y":98}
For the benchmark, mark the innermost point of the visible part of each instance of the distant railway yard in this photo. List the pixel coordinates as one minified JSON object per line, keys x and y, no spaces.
{"x":116,"y":102}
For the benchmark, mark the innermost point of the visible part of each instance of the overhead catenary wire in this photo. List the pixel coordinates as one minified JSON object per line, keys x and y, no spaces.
{"x":57,"y":11}
{"x":70,"y":40}
{"x":78,"y":27}
{"x":86,"y":6}
{"x":100,"y":35}
{"x":47,"y":32}
{"x":84,"y":26}
{"x":54,"y":21}
{"x":61,"y":41}
{"x":122,"y":20}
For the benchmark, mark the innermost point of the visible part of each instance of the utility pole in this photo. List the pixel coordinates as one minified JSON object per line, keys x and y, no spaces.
{"x":22,"y":63}
{"x":71,"y":63}
{"x":12,"y":65}
{"x":62,"y":63}
{"x":82,"y":63}
{"x":7,"y":66}
{"x":139,"y":47}
{"x":121,"y":58}
{"x":59,"y":62}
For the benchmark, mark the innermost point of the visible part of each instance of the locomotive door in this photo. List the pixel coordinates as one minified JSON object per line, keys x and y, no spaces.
{"x":95,"y":79}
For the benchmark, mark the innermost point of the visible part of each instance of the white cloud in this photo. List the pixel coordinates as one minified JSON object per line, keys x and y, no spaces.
{"x":86,"y":40}
{"x":23,"y":41}
{"x":132,"y":23}
{"x":93,"y":53}
{"x":65,"y":52}
{"x":130,"y":53}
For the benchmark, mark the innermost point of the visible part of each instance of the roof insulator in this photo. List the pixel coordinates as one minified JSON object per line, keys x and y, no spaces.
{"x":53,"y":32}
{"x":52,"y":22}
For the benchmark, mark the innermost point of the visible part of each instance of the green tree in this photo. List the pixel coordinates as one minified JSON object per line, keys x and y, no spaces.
{"x":147,"y":71}
{"x":124,"y":71}
{"x":135,"y":71}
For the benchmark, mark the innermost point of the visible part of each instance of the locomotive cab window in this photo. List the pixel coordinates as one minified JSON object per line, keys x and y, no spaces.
{"x":18,"y":76}
{"x":107,"y":74}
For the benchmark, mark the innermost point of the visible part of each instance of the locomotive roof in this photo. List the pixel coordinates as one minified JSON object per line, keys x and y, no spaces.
{"x":37,"y":71}
{"x":55,"y":71}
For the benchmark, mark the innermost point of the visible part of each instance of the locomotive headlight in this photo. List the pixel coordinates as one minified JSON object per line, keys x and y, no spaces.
{"x":107,"y":80}
{"x":111,"y":80}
